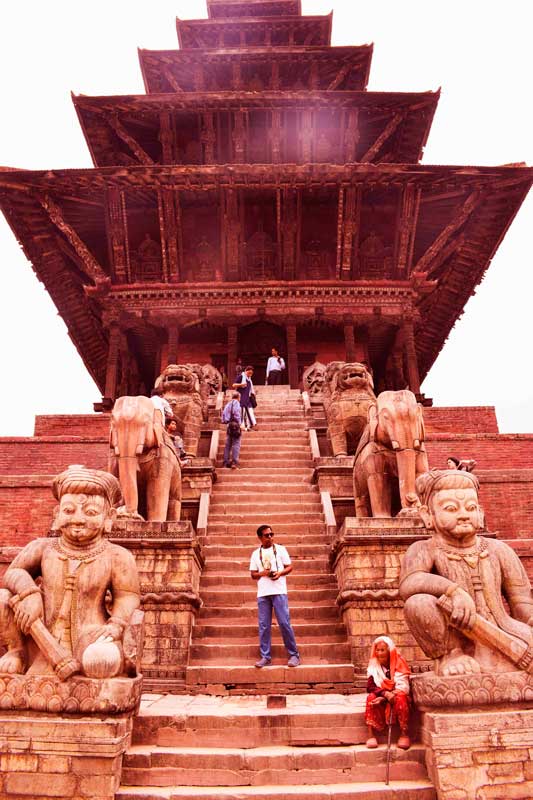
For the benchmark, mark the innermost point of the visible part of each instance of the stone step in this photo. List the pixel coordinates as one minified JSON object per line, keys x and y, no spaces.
{"x":276,"y":518}
{"x":240,"y":596}
{"x":246,"y":654}
{"x":267,"y":461}
{"x":273,"y":766}
{"x":231,"y":494}
{"x":276,"y":678}
{"x":269,"y":473}
{"x":324,"y":631}
{"x":320,"y":611}
{"x":249,"y":544}
{"x":263,"y":505}
{"x":289,"y":539}
{"x":397,"y":790}
{"x":167,"y":720}
{"x":237,"y":566}
{"x":242,"y":580}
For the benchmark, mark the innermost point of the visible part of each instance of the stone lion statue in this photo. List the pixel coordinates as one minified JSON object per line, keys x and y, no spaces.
{"x":186,"y":390}
{"x":212,"y":378}
{"x":313,"y":378}
{"x":348,"y":393}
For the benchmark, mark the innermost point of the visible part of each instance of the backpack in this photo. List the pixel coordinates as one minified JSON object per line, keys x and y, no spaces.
{"x":234,"y":429}
{"x":227,"y":412}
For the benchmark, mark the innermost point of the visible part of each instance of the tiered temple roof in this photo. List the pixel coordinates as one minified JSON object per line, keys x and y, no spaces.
{"x":258,"y":184}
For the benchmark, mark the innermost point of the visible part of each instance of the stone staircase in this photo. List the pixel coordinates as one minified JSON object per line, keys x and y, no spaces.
{"x":237,"y":748}
{"x":278,"y":732}
{"x":273,"y":485}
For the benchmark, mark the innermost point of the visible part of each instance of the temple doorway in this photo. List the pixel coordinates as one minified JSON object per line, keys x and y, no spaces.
{"x":254,"y":343}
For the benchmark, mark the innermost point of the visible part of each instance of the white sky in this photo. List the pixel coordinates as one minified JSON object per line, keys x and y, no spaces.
{"x":479,"y":51}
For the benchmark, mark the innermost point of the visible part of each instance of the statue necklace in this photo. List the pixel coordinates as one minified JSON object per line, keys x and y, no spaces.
{"x":80,"y":555}
{"x":470,"y":556}
{"x":275,"y":556}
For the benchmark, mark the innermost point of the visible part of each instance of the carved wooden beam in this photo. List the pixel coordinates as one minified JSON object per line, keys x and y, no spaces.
{"x":339,"y":77}
{"x":93,"y":269}
{"x":351,"y":135}
{"x":167,"y":137}
{"x":115,"y":124}
{"x":425,"y":263}
{"x":382,"y":138}
{"x":169,"y":75}
{"x":117,"y":235}
{"x":340,"y":229}
{"x":410,"y":207}
{"x":350,"y":229}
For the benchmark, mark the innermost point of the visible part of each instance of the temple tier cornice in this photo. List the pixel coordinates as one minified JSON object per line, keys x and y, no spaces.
{"x":353,"y":234}
{"x":250,"y":32}
{"x":339,"y":127}
{"x":219,"y":9}
{"x":256,"y":69}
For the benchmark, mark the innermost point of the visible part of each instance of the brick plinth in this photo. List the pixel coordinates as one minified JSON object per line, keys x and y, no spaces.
{"x":73,"y":758}
{"x":366,"y":556}
{"x":169,"y":561}
{"x":480,"y":755}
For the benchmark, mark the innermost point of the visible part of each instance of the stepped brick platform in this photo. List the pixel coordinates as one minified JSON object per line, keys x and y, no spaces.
{"x":273,"y":485}
{"x":239,"y":747}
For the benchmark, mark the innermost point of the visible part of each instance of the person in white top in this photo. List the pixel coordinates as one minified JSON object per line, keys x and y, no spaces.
{"x":162,"y":404}
{"x":275,"y":366}
{"x":269,"y":565}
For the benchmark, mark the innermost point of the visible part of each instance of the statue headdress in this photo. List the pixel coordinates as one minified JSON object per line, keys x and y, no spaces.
{"x":82,"y":480}
{"x":437,"y":479}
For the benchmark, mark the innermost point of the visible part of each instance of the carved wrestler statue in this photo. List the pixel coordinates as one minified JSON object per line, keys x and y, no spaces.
{"x":453,"y":585}
{"x":69,"y":600}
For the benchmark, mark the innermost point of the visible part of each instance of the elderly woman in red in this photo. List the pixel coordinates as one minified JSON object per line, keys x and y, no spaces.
{"x":388,"y":689}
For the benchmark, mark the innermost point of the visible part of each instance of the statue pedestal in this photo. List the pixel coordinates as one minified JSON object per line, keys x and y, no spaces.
{"x":169,"y":561}
{"x":366,"y":556}
{"x":479,"y":745}
{"x":44,"y":755}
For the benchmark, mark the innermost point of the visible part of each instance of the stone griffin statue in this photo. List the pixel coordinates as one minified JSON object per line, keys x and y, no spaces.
{"x":313,"y":378}
{"x":70,"y":603}
{"x":187,"y":391}
{"x":212,"y":378}
{"x":453,"y":585}
{"x":348,"y":394}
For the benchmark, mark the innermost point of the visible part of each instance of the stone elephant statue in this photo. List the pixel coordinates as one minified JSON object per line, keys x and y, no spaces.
{"x":348,"y":394}
{"x":390,"y":455}
{"x":144,"y":460}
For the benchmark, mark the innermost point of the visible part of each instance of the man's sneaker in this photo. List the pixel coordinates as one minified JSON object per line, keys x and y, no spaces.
{"x":263,"y":662}
{"x":293,"y":661}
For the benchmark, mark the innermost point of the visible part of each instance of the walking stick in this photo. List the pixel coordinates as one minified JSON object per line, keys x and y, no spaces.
{"x":389,"y":734}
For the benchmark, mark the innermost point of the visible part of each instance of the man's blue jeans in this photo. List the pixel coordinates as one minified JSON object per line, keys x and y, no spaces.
{"x":232,"y":449}
{"x":280,"y":604}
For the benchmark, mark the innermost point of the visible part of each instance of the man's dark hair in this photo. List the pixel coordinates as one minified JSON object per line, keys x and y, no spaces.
{"x":157,"y":390}
{"x":262,"y":528}
{"x":247,"y":368}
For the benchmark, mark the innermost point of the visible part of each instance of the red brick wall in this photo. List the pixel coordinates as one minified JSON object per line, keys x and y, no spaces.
{"x":49,"y":455}
{"x":72,"y":425}
{"x":491,"y":451}
{"x":468,"y":419}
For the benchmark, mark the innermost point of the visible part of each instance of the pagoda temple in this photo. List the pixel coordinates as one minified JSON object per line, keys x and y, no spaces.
{"x":259,"y":196}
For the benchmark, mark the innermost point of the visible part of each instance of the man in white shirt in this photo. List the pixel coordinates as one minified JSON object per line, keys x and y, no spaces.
{"x":275,"y":366}
{"x":269,"y":565}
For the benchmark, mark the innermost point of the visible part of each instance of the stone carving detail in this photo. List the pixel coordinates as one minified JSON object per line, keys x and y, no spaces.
{"x":261,"y":256}
{"x":212,"y":378}
{"x":78,"y":695}
{"x":453,"y":585}
{"x":186,"y":390}
{"x":313,"y":378}
{"x":143,"y":457}
{"x":432,"y":690}
{"x":348,"y":395}
{"x":391,"y":452}
{"x":81,"y":617}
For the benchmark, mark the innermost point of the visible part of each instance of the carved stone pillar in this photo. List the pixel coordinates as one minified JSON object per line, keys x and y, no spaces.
{"x":413,"y":375}
{"x":113,"y":354}
{"x":292,"y":355}
{"x":349,"y":337}
{"x":232,"y":351}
